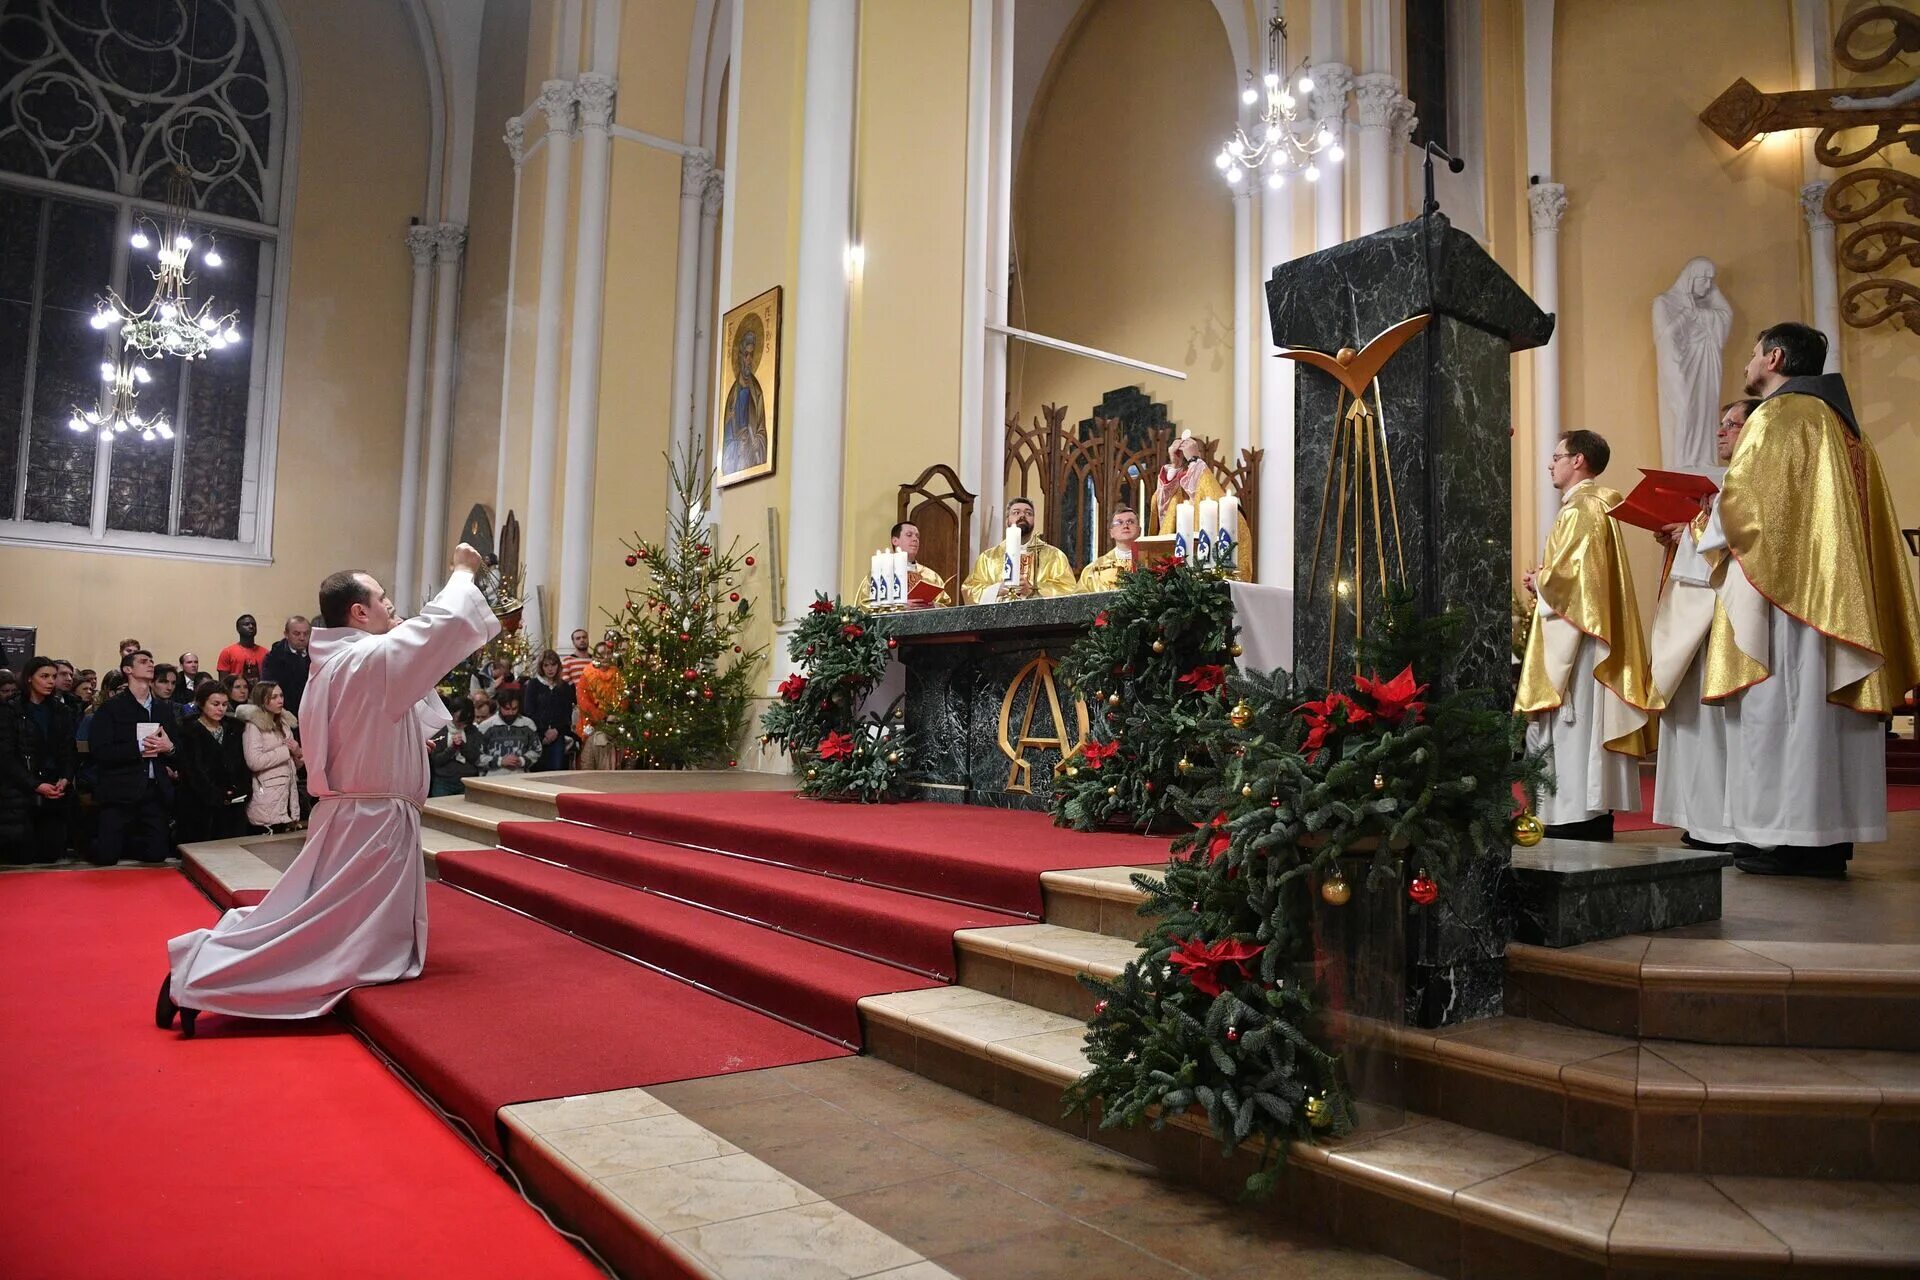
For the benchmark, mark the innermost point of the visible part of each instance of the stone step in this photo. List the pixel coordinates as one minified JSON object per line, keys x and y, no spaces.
{"x":1658,"y":1106}
{"x":1567,"y":892}
{"x":468,"y":819}
{"x":1449,"y":1198}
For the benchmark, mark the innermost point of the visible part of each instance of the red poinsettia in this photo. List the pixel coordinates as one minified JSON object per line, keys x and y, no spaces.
{"x":1209,"y":965}
{"x":1217,"y":846}
{"x":1097,"y":753}
{"x":821,"y":606}
{"x":1100,"y":618}
{"x":1335,"y":711}
{"x":836,"y":746}
{"x":794,"y":687}
{"x":1205,"y":679}
{"x":853,"y":631}
{"x":1166,"y":566}
{"x":1394,"y":699}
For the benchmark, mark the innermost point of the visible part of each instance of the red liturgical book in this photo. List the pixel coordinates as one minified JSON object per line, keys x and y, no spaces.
{"x":1663,"y":498}
{"x":922,"y":592}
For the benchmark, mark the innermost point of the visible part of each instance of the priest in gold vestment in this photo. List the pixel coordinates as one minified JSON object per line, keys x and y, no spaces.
{"x":1822,"y":635}
{"x":1584,"y":684}
{"x":1052,"y":574}
{"x":1104,"y":573}
{"x":906,"y":537}
{"x":1185,"y":478}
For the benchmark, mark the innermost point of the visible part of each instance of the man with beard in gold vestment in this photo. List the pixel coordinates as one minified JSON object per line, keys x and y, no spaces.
{"x":1052,"y":574}
{"x":1583,"y":684}
{"x":1822,"y":637}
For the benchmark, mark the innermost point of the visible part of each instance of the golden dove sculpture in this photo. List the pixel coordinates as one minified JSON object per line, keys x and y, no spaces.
{"x":1360,"y":455}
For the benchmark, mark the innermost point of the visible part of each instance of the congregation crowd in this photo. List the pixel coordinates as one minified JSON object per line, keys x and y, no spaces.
{"x":126,"y":764}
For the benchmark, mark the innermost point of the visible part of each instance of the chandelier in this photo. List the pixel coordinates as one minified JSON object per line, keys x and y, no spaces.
{"x":116,"y":413}
{"x":1280,"y":140}
{"x":171,"y":324}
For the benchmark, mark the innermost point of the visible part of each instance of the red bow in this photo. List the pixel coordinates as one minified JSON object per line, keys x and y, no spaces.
{"x":1096,"y":752}
{"x":1205,"y":679}
{"x":836,"y":746}
{"x":1208,"y":964}
{"x":794,"y":687}
{"x":1393,"y":699}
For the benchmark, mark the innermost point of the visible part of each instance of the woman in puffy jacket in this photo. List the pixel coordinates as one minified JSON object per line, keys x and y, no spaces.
{"x":273,"y":757}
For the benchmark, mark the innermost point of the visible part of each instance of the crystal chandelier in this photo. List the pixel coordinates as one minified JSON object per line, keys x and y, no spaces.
{"x":1280,"y":139}
{"x":116,"y":413}
{"x":171,"y":324}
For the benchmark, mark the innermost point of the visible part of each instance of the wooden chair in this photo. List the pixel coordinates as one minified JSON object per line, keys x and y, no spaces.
{"x":945,"y":517}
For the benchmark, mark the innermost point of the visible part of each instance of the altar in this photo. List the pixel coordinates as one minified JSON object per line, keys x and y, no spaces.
{"x":988,"y":719}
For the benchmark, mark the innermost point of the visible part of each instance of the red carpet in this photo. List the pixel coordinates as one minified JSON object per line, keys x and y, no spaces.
{"x":968,"y":853}
{"x":1900,"y":799}
{"x":286,"y":1152}
{"x":510,"y":1010}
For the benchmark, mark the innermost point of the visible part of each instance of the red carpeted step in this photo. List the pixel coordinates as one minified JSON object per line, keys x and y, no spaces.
{"x":969,"y":853}
{"x":902,"y":928}
{"x":510,"y":1010}
{"x":810,"y":984}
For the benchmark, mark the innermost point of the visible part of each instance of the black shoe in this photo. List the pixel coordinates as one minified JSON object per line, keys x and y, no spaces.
{"x":1600,"y":828}
{"x":1788,"y":861}
{"x":164,"y":1008}
{"x":1687,"y":839}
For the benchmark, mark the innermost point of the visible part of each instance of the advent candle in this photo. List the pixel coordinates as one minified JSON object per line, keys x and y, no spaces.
{"x":1182,"y":529}
{"x":1226,"y":546}
{"x":1208,"y":533}
{"x":898,"y":566}
{"x":876,"y":590}
{"x":1093,"y":525}
{"x":1012,"y":553}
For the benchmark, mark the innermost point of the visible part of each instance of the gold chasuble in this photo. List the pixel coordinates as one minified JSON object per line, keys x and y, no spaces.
{"x":1105,"y":573}
{"x":1171,"y":496}
{"x":920,"y":573}
{"x":1586,"y":581}
{"x":1052,"y":575}
{"x":1807,"y":516}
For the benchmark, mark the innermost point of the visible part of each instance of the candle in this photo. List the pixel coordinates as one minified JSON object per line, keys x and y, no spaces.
{"x":1093,"y":524}
{"x":1012,"y":553}
{"x":1226,"y":545}
{"x":899,"y":584}
{"x":1209,"y":531}
{"x":876,"y":591}
{"x":1182,"y":529}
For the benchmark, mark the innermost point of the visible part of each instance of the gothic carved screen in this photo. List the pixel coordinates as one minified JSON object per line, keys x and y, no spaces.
{"x":106,"y":105}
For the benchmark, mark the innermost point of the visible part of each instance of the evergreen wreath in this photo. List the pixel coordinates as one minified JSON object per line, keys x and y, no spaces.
{"x":840,"y":651}
{"x":1213,"y":1013}
{"x":1153,"y":671}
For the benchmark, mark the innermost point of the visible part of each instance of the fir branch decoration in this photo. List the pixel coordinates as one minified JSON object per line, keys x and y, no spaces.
{"x":840,"y":651}
{"x":686,"y":676}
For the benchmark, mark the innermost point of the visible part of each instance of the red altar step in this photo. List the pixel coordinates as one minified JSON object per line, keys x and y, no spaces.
{"x":1903,"y":762}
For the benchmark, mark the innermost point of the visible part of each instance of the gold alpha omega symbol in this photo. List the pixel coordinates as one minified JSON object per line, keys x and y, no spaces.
{"x":1040,"y":673}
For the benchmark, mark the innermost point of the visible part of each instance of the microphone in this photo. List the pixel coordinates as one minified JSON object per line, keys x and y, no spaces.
{"x":1454,"y":163}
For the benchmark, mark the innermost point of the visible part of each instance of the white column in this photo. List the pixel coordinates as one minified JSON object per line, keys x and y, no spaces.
{"x":543,"y":432}
{"x":712,"y":199}
{"x":820,"y":306}
{"x":1375,"y":95}
{"x":1273,"y":550}
{"x":1400,"y":139}
{"x":406,"y":553}
{"x":1332,"y":82}
{"x":695,"y":169}
{"x":1245,"y":321}
{"x":449,"y":244}
{"x":594,"y":91}
{"x":516,"y":139}
{"x":1826,"y":280}
{"x":1547,"y":204}
{"x":991,"y":507}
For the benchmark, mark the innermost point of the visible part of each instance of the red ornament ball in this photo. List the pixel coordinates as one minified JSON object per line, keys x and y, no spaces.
{"x":733,"y":764}
{"x":1423,"y":890}
{"x":736,"y":648}
{"x":749,"y":560}
{"x":1147,"y":785}
{"x":892,"y":643}
{"x":809,"y":651}
{"x":632,"y":561}
{"x":642,"y":553}
{"x":733,"y":595}
{"x":1233,"y":1035}
{"x":683,"y":635}
{"x":1100,"y":1008}
{"x":705,"y":550}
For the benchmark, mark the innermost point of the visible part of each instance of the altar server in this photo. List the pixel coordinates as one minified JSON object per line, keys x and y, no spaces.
{"x":352,"y":909}
{"x":1104,"y":574}
{"x":1052,"y":575}
{"x":906,"y":537}
{"x":1822,"y":636}
{"x":1584,"y":684}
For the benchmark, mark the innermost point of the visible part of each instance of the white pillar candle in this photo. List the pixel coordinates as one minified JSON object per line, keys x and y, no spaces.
{"x":1226,"y":544}
{"x":1183,"y":519}
{"x":900,"y":583}
{"x":1012,"y":552}
{"x":875,"y":592}
{"x":1093,"y":526}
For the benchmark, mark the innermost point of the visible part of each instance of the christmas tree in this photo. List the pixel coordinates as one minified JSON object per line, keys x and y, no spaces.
{"x":686,"y":674}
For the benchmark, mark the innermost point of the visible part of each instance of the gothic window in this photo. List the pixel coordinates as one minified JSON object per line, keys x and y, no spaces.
{"x":1426,"y":27}
{"x":106,"y":108}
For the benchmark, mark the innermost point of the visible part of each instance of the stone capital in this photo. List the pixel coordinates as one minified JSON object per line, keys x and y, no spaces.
{"x":696,"y":168}
{"x":1332,"y":81}
{"x":420,"y":242}
{"x":449,"y":241}
{"x":557,"y":100}
{"x":1813,"y":206}
{"x":1375,"y":94}
{"x":1405,"y":121}
{"x":516,"y":139}
{"x":1546,"y":205}
{"x":595,"y":92}
{"x":715,"y":193}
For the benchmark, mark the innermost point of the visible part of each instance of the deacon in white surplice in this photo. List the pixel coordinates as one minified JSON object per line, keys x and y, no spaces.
{"x":1583,"y":684}
{"x":352,"y":909}
{"x":1821,"y":637}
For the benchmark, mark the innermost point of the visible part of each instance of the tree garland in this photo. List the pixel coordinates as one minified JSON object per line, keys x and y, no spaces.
{"x":840,"y":651}
{"x":1283,"y":784}
{"x":1153,"y":670}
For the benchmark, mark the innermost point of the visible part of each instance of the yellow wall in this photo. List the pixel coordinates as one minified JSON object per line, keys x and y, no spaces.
{"x":344,"y":386}
{"x":1123,"y":228}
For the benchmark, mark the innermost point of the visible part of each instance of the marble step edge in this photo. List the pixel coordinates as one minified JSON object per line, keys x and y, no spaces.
{"x":227,"y":867}
{"x":657,"y":1194}
{"x":465,"y":816}
{"x":1723,"y":966}
{"x":1578,"y":1063}
{"x":1022,"y":1058}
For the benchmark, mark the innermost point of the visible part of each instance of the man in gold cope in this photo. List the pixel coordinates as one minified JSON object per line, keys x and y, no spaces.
{"x":1584,"y":683}
{"x":1051,"y":576}
{"x":906,"y":537}
{"x":1822,"y":636}
{"x":1104,"y":573}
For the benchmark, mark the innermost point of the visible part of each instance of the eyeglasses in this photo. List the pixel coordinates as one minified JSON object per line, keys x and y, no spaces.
{"x":1559,"y":457}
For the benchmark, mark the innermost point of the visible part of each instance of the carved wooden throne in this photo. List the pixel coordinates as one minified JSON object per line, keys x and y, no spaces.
{"x":945,"y":518}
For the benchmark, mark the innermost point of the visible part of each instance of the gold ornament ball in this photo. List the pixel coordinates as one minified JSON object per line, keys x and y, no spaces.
{"x":1246,"y":792}
{"x":1240,"y":716}
{"x":1319,"y":1112}
{"x":1235,"y":651}
{"x":893,"y":757}
{"x":1527,"y":831}
{"x":1113,"y":699}
{"x":1113,"y":791}
{"x":1073,"y":771}
{"x":1183,"y":764}
{"x":1159,"y":646}
{"x":813,"y":773}
{"x":1379,"y":782}
{"x":1335,"y":891}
